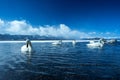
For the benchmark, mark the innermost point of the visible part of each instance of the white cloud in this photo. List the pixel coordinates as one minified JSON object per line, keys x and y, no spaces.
{"x":108,"y":33}
{"x":23,"y":28}
{"x":1,"y":22}
{"x":92,"y":33}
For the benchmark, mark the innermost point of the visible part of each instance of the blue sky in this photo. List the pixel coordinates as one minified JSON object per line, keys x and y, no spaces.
{"x":96,"y":18}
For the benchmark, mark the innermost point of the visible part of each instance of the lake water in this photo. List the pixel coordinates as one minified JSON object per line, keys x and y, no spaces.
{"x":65,"y":62}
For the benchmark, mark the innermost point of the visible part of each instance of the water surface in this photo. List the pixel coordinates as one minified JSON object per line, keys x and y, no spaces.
{"x":65,"y":62}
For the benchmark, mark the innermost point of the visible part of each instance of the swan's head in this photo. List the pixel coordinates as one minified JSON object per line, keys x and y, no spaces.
{"x":102,"y":41}
{"x":28,"y":43}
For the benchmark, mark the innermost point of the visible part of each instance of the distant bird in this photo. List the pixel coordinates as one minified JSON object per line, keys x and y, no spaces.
{"x":96,"y":44}
{"x":28,"y":47}
{"x":74,"y":42}
{"x":57,"y":43}
{"x":112,"y":41}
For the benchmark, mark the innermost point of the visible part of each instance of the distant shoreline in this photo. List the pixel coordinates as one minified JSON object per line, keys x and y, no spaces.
{"x":40,"y":41}
{"x":8,"y":37}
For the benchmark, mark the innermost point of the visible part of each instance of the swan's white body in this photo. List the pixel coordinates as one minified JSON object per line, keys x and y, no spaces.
{"x":57,"y":43}
{"x":112,"y":41}
{"x":24,"y":48}
{"x":27,"y":47}
{"x":94,"y":44}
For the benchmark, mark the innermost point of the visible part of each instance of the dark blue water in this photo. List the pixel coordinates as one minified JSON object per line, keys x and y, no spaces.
{"x":65,"y":62}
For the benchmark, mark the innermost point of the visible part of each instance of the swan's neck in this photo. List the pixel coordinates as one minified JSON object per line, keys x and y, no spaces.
{"x":29,"y":44}
{"x":102,"y":42}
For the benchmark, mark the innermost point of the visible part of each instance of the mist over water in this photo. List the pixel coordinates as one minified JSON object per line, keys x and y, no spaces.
{"x":62,"y":62}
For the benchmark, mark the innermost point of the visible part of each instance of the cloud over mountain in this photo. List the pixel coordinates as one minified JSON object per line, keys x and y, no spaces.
{"x":21,"y":27}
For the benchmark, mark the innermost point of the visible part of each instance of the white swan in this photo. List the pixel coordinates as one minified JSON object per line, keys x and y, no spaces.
{"x":27,"y":47}
{"x":74,"y":42}
{"x":96,"y":44}
{"x":112,"y":41}
{"x":57,"y":43}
